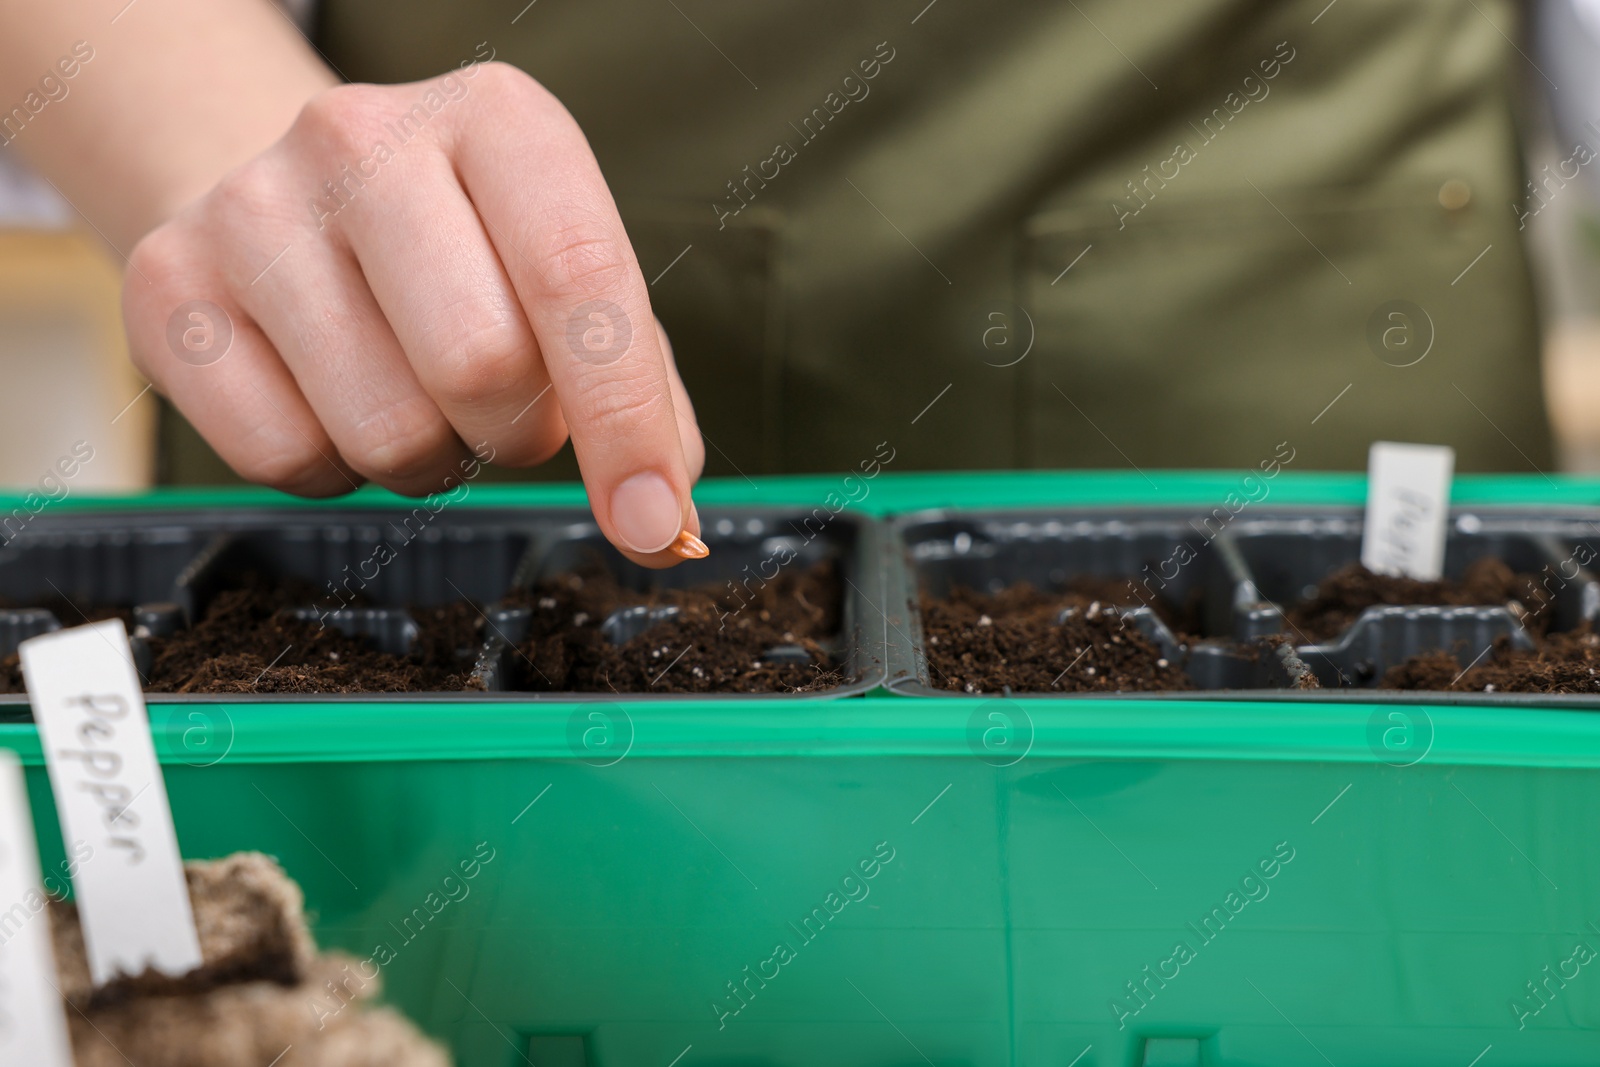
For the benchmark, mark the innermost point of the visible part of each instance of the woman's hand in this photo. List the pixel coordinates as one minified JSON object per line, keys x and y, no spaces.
{"x":414,"y":275}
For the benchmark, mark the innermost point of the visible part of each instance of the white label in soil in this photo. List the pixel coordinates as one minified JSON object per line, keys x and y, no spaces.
{"x":33,"y":1025}
{"x":1408,"y":503}
{"x":109,"y":792}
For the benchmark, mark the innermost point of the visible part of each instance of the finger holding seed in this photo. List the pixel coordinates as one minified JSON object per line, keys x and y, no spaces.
{"x":413,"y":276}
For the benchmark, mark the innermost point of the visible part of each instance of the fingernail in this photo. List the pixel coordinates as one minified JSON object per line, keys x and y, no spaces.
{"x":689,"y":547}
{"x":646,"y":513}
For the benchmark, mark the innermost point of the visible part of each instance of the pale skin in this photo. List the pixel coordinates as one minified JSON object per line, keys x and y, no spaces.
{"x":411,"y":322}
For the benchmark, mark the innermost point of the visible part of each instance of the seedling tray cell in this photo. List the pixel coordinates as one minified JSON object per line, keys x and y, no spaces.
{"x":363,"y":571}
{"x":1279,"y":560}
{"x":748,"y":548}
{"x":1149,"y":553}
{"x":54,"y":572}
{"x":1245,"y":577}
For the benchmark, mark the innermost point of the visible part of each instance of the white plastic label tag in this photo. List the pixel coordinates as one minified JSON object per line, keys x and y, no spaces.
{"x":33,"y":1025}
{"x":132,"y":896}
{"x":1408,"y":507}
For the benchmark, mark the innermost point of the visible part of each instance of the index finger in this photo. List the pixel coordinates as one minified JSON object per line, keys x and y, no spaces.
{"x":535,"y":183}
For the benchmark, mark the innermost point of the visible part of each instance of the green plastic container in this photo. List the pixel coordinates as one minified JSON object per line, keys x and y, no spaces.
{"x":882,"y":881}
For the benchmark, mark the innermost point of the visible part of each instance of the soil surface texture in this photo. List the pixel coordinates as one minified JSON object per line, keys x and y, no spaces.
{"x":1563,"y":663}
{"x":250,"y":641}
{"x":1343,"y":595}
{"x":1180,"y":617}
{"x":985,"y":642}
{"x":718,"y":642}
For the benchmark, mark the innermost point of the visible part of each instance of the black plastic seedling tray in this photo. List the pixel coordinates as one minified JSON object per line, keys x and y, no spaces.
{"x":163,"y":567}
{"x":370,"y":566}
{"x":746,"y":547}
{"x":1243,"y":576}
{"x":82,"y":563}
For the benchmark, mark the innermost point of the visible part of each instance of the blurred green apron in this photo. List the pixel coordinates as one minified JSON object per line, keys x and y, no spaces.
{"x":1123,"y":235}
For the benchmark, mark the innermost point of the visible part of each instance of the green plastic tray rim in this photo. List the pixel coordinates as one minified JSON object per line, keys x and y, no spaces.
{"x":868,"y":727}
{"x":892,"y":492}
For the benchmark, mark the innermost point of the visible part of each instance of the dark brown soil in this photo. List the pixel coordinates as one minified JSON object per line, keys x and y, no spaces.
{"x":1181,"y":618}
{"x":250,"y":641}
{"x":1345,"y":594}
{"x":68,"y":614}
{"x":987,"y":642}
{"x":716,"y":644}
{"x":1563,"y":663}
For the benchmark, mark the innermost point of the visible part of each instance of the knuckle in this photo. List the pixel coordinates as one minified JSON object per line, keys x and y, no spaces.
{"x":583,"y":259}
{"x":171,"y":263}
{"x":283,"y":464}
{"x":499,"y":76}
{"x":166,"y":269}
{"x":510,"y":90}
{"x":244,"y":194}
{"x":399,"y":442}
{"x":342,"y":117}
{"x":478,"y":365}
{"x":157,"y":273}
{"x":156,"y":260}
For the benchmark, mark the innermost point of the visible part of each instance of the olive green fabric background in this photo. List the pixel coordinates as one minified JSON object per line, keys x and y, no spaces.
{"x":917,"y":235}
